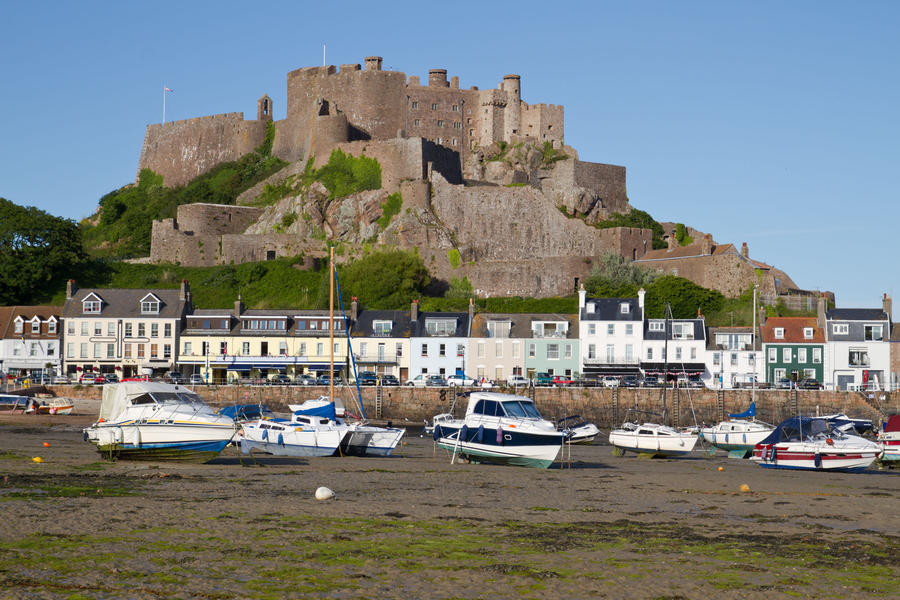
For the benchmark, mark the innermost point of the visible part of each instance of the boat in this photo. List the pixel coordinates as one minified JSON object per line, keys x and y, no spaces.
{"x":889,"y":440}
{"x":848,"y":424}
{"x":317,"y":436}
{"x":13,"y":404}
{"x":53,"y":406}
{"x":501,"y":428}
{"x":144,"y":420}
{"x":577,"y":430}
{"x":652,"y":439}
{"x":359,"y":439}
{"x":812,"y":443}
{"x":738,"y":435}
{"x":437,"y":420}
{"x":247,"y":412}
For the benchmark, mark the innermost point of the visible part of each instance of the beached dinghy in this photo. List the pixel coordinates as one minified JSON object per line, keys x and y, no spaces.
{"x":812,"y":443}
{"x":145,"y":420}
{"x":652,"y":439}
{"x":501,"y":428}
{"x":577,"y":430}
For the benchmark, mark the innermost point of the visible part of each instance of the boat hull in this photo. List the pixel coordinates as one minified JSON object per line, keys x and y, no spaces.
{"x":195,"y":452}
{"x":676,"y":445}
{"x":291,"y":441}
{"x":371,"y":441}
{"x":808,"y":457}
{"x":190,"y":442}
{"x":521,"y":449}
{"x":734,"y":440}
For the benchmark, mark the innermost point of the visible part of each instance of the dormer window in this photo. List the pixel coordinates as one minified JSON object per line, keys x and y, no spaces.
{"x":51,"y":326}
{"x":382,"y":328}
{"x":36,"y":325}
{"x":779,"y":333}
{"x":19,"y":324}
{"x":440,"y":326}
{"x":840,"y":328}
{"x":807,"y":333}
{"x":624,"y":308}
{"x":149,"y":305}
{"x":91,"y":304}
{"x":590,"y":307}
{"x":657,"y":325}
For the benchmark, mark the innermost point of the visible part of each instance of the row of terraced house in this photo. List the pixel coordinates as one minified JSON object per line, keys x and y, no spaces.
{"x":134,"y":332}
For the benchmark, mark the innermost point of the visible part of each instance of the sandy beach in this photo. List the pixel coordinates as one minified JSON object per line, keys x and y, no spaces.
{"x":417,"y":526}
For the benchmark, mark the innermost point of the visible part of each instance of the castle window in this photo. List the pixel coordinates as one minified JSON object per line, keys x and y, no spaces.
{"x":457,"y":125}
{"x":454,"y":108}
{"x":440,"y":123}
{"x":549,"y":127}
{"x":434,"y":107}
{"x":471,"y":132}
{"x":453,"y":142}
{"x":270,"y":255}
{"x":439,"y":141}
{"x":416,"y":122}
{"x":415,"y":104}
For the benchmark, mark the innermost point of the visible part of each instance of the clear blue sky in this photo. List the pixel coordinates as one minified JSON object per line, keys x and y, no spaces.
{"x":767,"y":122}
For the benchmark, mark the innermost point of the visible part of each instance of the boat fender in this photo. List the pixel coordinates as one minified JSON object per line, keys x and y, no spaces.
{"x":280,"y":439}
{"x":765,"y":454}
{"x":817,"y":460}
{"x":437,"y":432}
{"x":85,"y":436}
{"x":265,"y":434}
{"x":829,"y":441}
{"x":774,"y":456}
{"x":745,"y":438}
{"x":479,"y":435}
{"x":726,"y":438}
{"x":464,"y":433}
{"x":499,"y":436}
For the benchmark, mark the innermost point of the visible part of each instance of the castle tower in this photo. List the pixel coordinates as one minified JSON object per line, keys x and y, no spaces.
{"x":373,"y":63}
{"x":264,"y":108}
{"x":512,"y":118}
{"x":437,"y":78}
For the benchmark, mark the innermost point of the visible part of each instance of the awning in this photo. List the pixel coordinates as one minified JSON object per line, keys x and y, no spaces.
{"x":658,"y":368}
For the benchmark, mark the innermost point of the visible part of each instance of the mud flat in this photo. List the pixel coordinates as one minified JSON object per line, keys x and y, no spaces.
{"x":415,"y":526}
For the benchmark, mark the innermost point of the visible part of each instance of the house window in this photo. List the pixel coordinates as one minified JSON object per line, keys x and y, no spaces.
{"x":110,"y":351}
{"x":204,"y":348}
{"x":434,"y":107}
{"x":773,"y":355}
{"x":142,"y":330}
{"x":649,"y":353}
{"x":442,"y":350}
{"x":111,"y":329}
{"x":32,"y":350}
{"x":82,"y":350}
{"x":498,"y":349}
{"x":716,"y":359}
{"x":858,"y":358}
{"x":35,"y":327}
{"x":480,"y":350}
{"x":590,"y":307}
{"x":70,"y":328}
{"x":611,"y":329}
{"x":779,"y":333}
{"x":734,"y":359}
{"x":657,"y":325}
{"x":779,"y":374}
{"x":693,"y":353}
{"x":127,"y":353}
{"x":817,"y":355}
{"x":154,"y":330}
{"x":51,"y":327}
{"x":320,"y":349}
{"x":282,"y":349}
{"x":592,"y":351}
{"x":629,"y":353}
{"x":245,"y":348}
{"x":592,"y":329}
{"x":629,"y":329}
{"x":440,"y":123}
{"x":610,"y":353}
{"x":223,"y":348}
{"x":140,"y":350}
{"x":98,"y":328}
{"x":97,"y":350}
{"x":498,"y":329}
{"x":531,"y":350}
{"x":624,"y":308}
{"x":682,"y":331}
{"x":84,"y":328}
{"x":168,"y":329}
{"x":785,"y":355}
{"x":416,"y":122}
{"x":70,"y":350}
{"x":840,"y":329}
{"x":167,"y":351}
{"x":678,"y":353}
{"x":382,"y":327}
{"x":187,"y":348}
{"x":440,"y":326}
{"x":807,"y":333}
{"x":873,"y":333}
{"x":127,"y":329}
{"x":424,"y":349}
{"x":801,"y":355}
{"x":399,"y":349}
{"x":568,"y":351}
{"x":19,"y":326}
{"x":552,"y":351}
{"x":455,"y":108}
{"x":149,"y":307}
{"x":90,"y":306}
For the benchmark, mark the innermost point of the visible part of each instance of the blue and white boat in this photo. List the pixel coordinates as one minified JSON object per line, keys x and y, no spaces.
{"x":359,"y":439}
{"x":144,"y":420}
{"x":812,"y":443}
{"x":738,"y":435}
{"x":501,"y":428}
{"x":311,"y":437}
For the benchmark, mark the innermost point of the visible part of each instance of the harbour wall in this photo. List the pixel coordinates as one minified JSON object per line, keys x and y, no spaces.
{"x":605,"y":407}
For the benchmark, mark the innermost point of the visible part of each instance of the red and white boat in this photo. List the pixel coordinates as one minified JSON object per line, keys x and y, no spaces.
{"x":889,"y":440}
{"x":811,"y":443}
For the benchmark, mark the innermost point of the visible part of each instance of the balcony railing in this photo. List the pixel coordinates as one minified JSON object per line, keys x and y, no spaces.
{"x":616,"y":360}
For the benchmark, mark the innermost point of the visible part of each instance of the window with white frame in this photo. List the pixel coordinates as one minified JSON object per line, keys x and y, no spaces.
{"x":515,"y":350}
{"x":424,"y":349}
{"x":624,"y":308}
{"x":773,"y":355}
{"x":656,"y":325}
{"x":552,"y":351}
{"x":187,"y":348}
{"x":779,"y":333}
{"x":682,"y":331}
{"x":110,"y":351}
{"x":51,"y":349}
{"x":498,"y":329}
{"x":36,"y":326}
{"x":779,"y":373}
{"x":167,"y":330}
{"x":629,"y":328}
{"x":840,"y":328}
{"x":90,"y":306}
{"x":480,"y":350}
{"x":70,"y":350}
{"x":142,"y":330}
{"x":498,"y":349}
{"x":817,"y":355}
{"x":590,"y":307}
{"x":716,"y":359}
{"x":807,"y":333}
{"x":693,"y":353}
{"x":442,"y":350}
{"x":610,"y":329}
{"x":19,"y":325}
{"x":592,"y":351}
{"x":440,"y":326}
{"x":610,"y":353}
{"x":149,"y":305}
{"x":873,"y":333}
{"x":785,"y":355}
{"x":154,"y":329}
{"x":858,"y":357}
{"x":70,"y":327}
{"x":128,"y":329}
{"x":98,"y":328}
{"x":111,"y":329}
{"x":629,"y":353}
{"x":677,"y":352}
{"x":734,"y":359}
{"x":568,"y":351}
{"x":801,"y":355}
{"x":592,"y":329}
{"x":84,"y":328}
{"x":649,"y":353}
{"x":380,"y":328}
{"x":532,"y":349}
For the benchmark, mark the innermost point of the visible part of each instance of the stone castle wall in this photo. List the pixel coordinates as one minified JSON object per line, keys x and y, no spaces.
{"x":727,"y":273}
{"x":182,"y":150}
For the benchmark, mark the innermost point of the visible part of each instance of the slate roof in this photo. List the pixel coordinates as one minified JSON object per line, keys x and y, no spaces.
{"x":520,"y":323}
{"x":126,"y":303}
{"x":365,"y":319}
{"x":856,"y":314}
{"x":699,"y":330}
{"x":712,"y":331}
{"x":793,"y":330}
{"x":607,"y":309}
{"x":418,"y":329}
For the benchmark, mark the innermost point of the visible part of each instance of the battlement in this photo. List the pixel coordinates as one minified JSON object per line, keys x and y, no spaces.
{"x":232,"y":116}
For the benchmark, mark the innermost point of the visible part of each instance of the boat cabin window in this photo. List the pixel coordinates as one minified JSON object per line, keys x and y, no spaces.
{"x":491,"y":408}
{"x":645,"y":432}
{"x":143,"y":399}
{"x":305,"y":420}
{"x":521,"y":408}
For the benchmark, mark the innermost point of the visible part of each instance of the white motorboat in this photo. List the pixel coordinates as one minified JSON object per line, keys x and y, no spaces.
{"x":811,"y":443}
{"x":309,"y":437}
{"x":577,"y":430}
{"x":501,"y":428}
{"x":737,"y":436}
{"x":652,"y":439}
{"x":145,"y":420}
{"x":889,"y":439}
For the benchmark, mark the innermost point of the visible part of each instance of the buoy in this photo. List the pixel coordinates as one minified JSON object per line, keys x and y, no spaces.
{"x":46,"y":444}
{"x":721,"y":468}
{"x":745,"y":487}
{"x":323,"y":493}
{"x":37,"y":459}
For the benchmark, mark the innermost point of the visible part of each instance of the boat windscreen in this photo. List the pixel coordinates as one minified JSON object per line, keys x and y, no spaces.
{"x":523,"y":410}
{"x":175,"y":397}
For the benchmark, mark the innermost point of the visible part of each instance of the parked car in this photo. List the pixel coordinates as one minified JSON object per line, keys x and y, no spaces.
{"x":61,"y":379}
{"x":417,"y":381}
{"x":175,"y":377}
{"x":562,"y":381}
{"x":323,"y":379}
{"x":543,"y":379}
{"x":809,"y":384}
{"x":460,"y":379}
{"x":517,"y":380}
{"x":784,"y":383}
{"x":367,"y":378}
{"x":651,"y":381}
{"x":279,"y":379}
{"x":436,"y":381}
{"x":389,"y":380}
{"x":90,"y":378}
{"x":305,"y":379}
{"x":610,"y":381}
{"x":39,"y":379}
{"x":111,"y":378}
{"x":631,"y":381}
{"x":196,"y":379}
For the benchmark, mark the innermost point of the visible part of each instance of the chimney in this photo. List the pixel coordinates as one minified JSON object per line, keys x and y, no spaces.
{"x":886,"y":306}
{"x":185,"y":290}
{"x":673,"y":243}
{"x":354,"y":309}
{"x":706,"y":244}
{"x":641,"y":294}
{"x":414,"y":311}
{"x":238,"y":307}
{"x":471,"y":309}
{"x":820,"y":312}
{"x":745,"y":252}
{"x":582,"y":294}
{"x":70,"y":289}
{"x":373,"y":63}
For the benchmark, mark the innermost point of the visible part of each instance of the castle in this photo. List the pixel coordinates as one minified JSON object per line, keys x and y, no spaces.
{"x":513,"y":223}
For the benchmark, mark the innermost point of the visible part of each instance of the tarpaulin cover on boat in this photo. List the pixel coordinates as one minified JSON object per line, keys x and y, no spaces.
{"x":795,"y":429}
{"x":750,"y":412}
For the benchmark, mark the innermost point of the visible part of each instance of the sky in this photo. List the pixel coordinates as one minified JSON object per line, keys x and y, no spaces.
{"x":767,"y":122}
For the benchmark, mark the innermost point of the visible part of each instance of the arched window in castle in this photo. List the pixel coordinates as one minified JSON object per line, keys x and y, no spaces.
{"x":453,"y":141}
{"x":415,"y":104}
{"x":455,"y":108}
{"x":416,"y":122}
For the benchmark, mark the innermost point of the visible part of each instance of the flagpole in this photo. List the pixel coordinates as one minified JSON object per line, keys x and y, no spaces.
{"x":164,"y":105}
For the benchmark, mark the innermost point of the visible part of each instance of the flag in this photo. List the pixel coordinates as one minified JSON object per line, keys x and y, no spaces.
{"x":165,"y":89}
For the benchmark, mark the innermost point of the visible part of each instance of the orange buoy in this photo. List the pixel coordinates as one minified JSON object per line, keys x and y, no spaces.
{"x":721,"y":468}
{"x":37,"y":459}
{"x":46,"y":444}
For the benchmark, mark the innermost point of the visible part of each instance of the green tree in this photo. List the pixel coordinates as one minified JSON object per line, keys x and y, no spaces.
{"x":37,"y":252}
{"x":460,"y":288}
{"x":684,"y":296}
{"x":616,"y":277}
{"x":387,"y":279}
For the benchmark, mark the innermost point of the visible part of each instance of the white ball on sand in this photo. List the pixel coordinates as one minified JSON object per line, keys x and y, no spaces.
{"x":323,"y":493}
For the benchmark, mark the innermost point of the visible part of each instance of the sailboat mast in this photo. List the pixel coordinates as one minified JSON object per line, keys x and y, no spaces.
{"x":331,"y":322}
{"x":665,"y":362}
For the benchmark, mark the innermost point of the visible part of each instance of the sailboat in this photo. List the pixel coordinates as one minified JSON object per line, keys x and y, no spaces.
{"x":654,"y":439}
